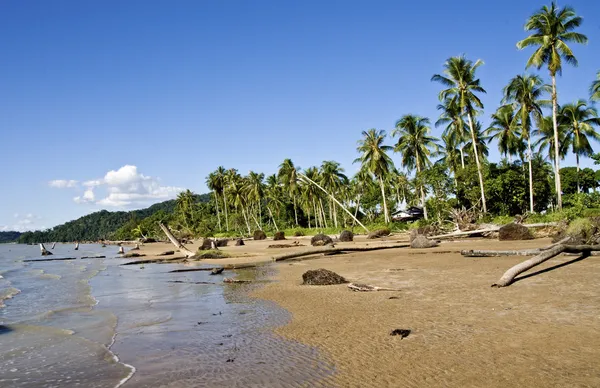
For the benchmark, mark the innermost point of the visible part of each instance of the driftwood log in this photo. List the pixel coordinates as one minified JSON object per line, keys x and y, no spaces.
{"x":524,"y":252}
{"x":337,"y":250}
{"x":509,"y":276}
{"x":175,"y":242}
{"x":76,"y":246}
{"x":44,"y":251}
{"x":487,"y":230}
{"x":366,"y":287}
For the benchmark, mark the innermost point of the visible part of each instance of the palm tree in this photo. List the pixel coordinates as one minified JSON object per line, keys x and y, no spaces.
{"x":462,"y":84}
{"x":450,"y":153}
{"x":255,"y":192}
{"x":215,"y":183}
{"x":273,"y":196}
{"x":552,"y":29}
{"x":375,"y":159}
{"x":310,"y":193}
{"x":238,"y":194}
{"x":221,"y":182}
{"x":185,"y":203}
{"x":481,"y":142}
{"x":525,"y":92}
{"x":595,"y":89}
{"x":288,"y":174}
{"x":452,"y":117}
{"x":361,"y":183}
{"x":415,"y":145}
{"x":545,"y":143}
{"x":332,"y":178}
{"x":504,"y":128}
{"x":580,"y":119}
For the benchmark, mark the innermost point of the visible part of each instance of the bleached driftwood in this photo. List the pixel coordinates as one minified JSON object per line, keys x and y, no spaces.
{"x":121,"y":251}
{"x":524,"y":252}
{"x":76,"y":246}
{"x":53,"y":245}
{"x":509,"y":276}
{"x":175,"y":242}
{"x":488,"y":230}
{"x":44,"y":251}
{"x":366,"y":287}
{"x":334,"y":250}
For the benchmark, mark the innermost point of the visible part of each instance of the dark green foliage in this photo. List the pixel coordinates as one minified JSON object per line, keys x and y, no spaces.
{"x":568,"y":178}
{"x":7,"y":237}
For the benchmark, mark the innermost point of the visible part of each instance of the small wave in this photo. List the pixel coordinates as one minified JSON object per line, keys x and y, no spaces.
{"x":8,"y":293}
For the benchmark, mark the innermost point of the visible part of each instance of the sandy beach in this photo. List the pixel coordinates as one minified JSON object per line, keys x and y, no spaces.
{"x":544,"y":330}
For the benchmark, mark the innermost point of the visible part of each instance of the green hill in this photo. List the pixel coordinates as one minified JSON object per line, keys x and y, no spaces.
{"x":99,"y":225}
{"x":10,"y":236}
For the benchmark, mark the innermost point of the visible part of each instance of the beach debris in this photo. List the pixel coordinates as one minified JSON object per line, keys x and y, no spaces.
{"x":346,"y":236}
{"x":514,"y":232}
{"x":279,"y":236}
{"x":174,"y":241}
{"x":509,"y":276}
{"x":44,"y":251}
{"x":394,"y":297}
{"x":239,"y":242}
{"x":320,"y":240}
{"x":379,"y":233}
{"x":77,"y":246}
{"x":259,"y":235}
{"x":201,"y":323}
{"x":121,"y":251}
{"x":135,"y":248}
{"x":208,"y":244}
{"x":103,"y":245}
{"x":222,"y":242}
{"x":322,"y":277}
{"x":230,"y":280}
{"x":94,"y":257}
{"x":403,"y":333}
{"x":292,"y":245}
{"x":147,"y":240}
{"x":211,"y":254}
{"x":230,"y":360}
{"x":217,"y":271}
{"x":56,"y":259}
{"x":53,"y":245}
{"x":367,"y":287}
{"x":132,"y":254}
{"x":166,"y":253}
{"x":524,"y":252}
{"x":423,"y":242}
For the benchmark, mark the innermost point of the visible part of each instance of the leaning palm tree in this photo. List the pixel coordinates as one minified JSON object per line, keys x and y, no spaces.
{"x":552,"y":29}
{"x":524,"y":92}
{"x":415,"y":145}
{"x":452,"y":118}
{"x":255,"y":189}
{"x":505,"y":129}
{"x":595,"y":89}
{"x":461,"y":85}
{"x":288,"y":174}
{"x":481,"y":143}
{"x":580,"y":120}
{"x":332,"y":179}
{"x":375,"y":159}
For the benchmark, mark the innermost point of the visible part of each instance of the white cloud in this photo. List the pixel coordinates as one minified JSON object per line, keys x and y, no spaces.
{"x":126,"y":187}
{"x":62,"y":183}
{"x":24,"y":223}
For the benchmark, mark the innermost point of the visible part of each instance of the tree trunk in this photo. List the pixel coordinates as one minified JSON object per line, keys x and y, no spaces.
{"x":385,"y":210}
{"x":556,"y":145}
{"x":317,"y":215}
{"x":323,"y":215}
{"x":225,"y":207}
{"x":218,"y":214}
{"x":44,"y":251}
{"x":356,"y":211}
{"x":462,"y":157}
{"x":530,"y":156}
{"x":477,"y":162}
{"x":295,"y":211}
{"x":272,"y":218}
{"x":175,"y":242}
{"x":247,"y":223}
{"x":577,"y":161}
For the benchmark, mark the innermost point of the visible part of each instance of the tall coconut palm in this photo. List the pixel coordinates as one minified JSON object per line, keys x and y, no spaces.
{"x":505,"y":129}
{"x":461,"y":85}
{"x":415,"y":145}
{"x":310,"y":196}
{"x":361,"y":183}
{"x":595,"y":89}
{"x":221,"y":181}
{"x":552,"y":28}
{"x":525,"y":93}
{"x":332,"y":178}
{"x":238,"y":195}
{"x":481,"y":143}
{"x":374,"y":158}
{"x":255,"y":191}
{"x":215,"y":183}
{"x":544,"y":132}
{"x":273,"y":195}
{"x":288,"y":174}
{"x":185,"y":206}
{"x":580,"y":120}
{"x":452,"y":118}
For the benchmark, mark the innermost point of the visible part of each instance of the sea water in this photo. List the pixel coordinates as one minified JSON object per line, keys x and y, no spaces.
{"x":98,"y":323}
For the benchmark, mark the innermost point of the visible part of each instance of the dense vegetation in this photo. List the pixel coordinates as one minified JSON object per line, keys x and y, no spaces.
{"x":533,"y":133}
{"x":7,"y":237}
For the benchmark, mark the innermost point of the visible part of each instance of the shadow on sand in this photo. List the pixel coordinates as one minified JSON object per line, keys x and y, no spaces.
{"x":557,"y":266}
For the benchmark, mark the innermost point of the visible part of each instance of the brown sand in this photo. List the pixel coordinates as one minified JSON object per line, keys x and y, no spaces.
{"x":542,"y":331}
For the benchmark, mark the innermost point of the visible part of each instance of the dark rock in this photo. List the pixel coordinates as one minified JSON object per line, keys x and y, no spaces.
{"x":239,"y":242}
{"x":403,"y":333}
{"x":222,"y":242}
{"x":322,"y":277}
{"x":279,"y":235}
{"x":421,"y":241}
{"x":346,"y":236}
{"x":259,"y":235}
{"x":379,"y":233}
{"x":132,"y":254}
{"x":166,"y":253}
{"x":147,"y":240}
{"x":217,"y":271}
{"x":207,"y":244}
{"x":320,"y":239}
{"x":514,"y":232}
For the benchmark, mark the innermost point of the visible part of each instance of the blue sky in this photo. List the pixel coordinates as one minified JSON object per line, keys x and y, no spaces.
{"x":119,"y":104}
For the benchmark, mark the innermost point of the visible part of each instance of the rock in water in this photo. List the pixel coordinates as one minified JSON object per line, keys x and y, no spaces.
{"x":421,"y":241}
{"x":346,"y":236}
{"x":322,"y":277}
{"x":217,"y":271}
{"x":259,"y":235}
{"x":239,"y":242}
{"x":166,"y":253}
{"x":279,"y":236}
{"x":320,"y":239}
{"x":514,"y":232}
{"x":379,"y":233}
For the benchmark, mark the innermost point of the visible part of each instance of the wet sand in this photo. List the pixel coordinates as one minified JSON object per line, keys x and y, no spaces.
{"x":544,"y":330}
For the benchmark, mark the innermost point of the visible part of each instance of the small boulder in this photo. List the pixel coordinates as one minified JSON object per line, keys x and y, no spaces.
{"x":166,"y":253}
{"x":421,"y":241}
{"x":279,"y":236}
{"x":239,"y":242}
{"x":346,"y":236}
{"x":207,"y":244}
{"x":147,"y":240}
{"x":259,"y":235}
{"x":322,"y":277}
{"x":514,"y":232}
{"x":379,"y":233}
{"x":221,"y":242}
{"x":320,"y":240}
{"x":217,"y":271}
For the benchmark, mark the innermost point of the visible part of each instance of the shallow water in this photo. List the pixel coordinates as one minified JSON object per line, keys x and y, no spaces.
{"x":95,"y":323}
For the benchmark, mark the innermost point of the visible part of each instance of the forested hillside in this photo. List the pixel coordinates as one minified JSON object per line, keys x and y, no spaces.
{"x":11,"y":236}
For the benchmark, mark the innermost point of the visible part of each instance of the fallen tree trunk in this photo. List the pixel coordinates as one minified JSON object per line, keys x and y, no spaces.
{"x":56,"y":259}
{"x":44,"y":251}
{"x":509,"y":276}
{"x":488,"y":230}
{"x":524,"y":252}
{"x":330,"y":251}
{"x":367,"y":287}
{"x":175,"y":242}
